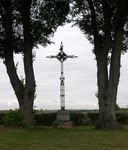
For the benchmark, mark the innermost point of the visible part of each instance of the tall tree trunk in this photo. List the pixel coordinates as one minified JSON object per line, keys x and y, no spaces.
{"x":107,"y":111}
{"x":114,"y":76}
{"x":102,"y":81}
{"x":102,"y":70}
{"x":27,"y":105}
{"x":101,"y":51}
{"x":107,"y":94}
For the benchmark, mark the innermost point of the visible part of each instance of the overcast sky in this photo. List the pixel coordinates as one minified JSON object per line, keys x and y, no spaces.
{"x":80,"y":75}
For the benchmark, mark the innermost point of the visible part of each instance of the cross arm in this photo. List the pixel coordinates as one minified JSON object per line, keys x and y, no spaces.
{"x":71,"y":56}
{"x":51,"y":56}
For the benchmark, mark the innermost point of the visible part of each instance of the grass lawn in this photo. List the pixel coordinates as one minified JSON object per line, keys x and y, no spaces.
{"x":79,"y":138}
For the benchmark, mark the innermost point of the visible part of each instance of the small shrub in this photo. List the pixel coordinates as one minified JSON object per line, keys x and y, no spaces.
{"x":93,"y":117}
{"x":79,"y":119}
{"x":1,"y":118}
{"x":46,"y":119}
{"x":13,"y":118}
{"x":122,"y":117}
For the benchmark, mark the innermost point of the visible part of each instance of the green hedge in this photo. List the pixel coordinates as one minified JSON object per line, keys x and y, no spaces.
{"x":14,"y":118}
{"x":2,"y":115}
{"x":122,"y":117}
{"x":93,"y":117}
{"x":49,"y":118}
{"x":46,"y":119}
{"x":79,"y":119}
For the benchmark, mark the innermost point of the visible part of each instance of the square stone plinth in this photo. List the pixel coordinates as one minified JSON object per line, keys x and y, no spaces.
{"x":63,"y":115}
{"x":63,"y":119}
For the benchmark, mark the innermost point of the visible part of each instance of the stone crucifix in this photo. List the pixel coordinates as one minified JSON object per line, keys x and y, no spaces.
{"x":62,"y":56}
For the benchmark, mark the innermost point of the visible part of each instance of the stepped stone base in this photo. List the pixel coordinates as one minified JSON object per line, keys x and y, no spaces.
{"x":66,"y":125}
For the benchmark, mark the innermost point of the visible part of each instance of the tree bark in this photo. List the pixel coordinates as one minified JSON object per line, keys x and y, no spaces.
{"x":29,"y":95}
{"x":102,"y":82}
{"x":107,"y":105}
{"x":101,"y":52}
{"x":114,"y":75}
{"x":103,"y":74}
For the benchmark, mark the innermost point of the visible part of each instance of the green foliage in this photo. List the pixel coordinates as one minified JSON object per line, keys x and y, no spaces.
{"x":45,"y":17}
{"x":105,"y":13}
{"x":79,"y":119}
{"x":2,"y":115}
{"x":93,"y":117}
{"x":122,"y":117}
{"x":46,"y":119}
{"x":13,"y":118}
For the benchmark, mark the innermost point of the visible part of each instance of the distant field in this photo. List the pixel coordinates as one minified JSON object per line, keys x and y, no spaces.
{"x":47,"y":138}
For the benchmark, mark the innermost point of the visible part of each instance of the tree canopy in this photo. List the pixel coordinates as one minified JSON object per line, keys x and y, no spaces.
{"x":45,"y":16}
{"x":102,"y":19}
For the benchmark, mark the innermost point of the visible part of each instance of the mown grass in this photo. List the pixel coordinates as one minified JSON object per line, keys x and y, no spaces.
{"x":47,"y":138}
